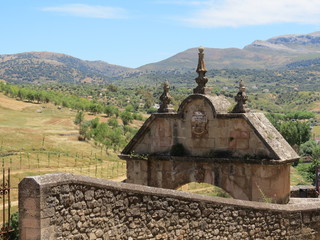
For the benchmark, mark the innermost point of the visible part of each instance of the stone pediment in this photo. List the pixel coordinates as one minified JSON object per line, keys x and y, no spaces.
{"x":203,"y":129}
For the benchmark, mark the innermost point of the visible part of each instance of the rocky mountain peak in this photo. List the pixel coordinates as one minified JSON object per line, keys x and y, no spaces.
{"x":301,"y":39}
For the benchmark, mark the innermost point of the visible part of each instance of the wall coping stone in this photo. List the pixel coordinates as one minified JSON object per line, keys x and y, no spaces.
{"x":55,"y":179}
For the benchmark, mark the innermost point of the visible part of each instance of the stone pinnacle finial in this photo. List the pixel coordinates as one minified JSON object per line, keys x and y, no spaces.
{"x":201,"y":80}
{"x":165,"y":99}
{"x":241,"y":99}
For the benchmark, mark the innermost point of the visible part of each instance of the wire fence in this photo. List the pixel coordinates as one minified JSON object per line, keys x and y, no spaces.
{"x":40,"y":162}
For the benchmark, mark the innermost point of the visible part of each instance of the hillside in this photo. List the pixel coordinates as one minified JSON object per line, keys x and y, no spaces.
{"x":230,"y":58}
{"x":273,"y":53}
{"x":37,"y":67}
{"x":41,"y":138}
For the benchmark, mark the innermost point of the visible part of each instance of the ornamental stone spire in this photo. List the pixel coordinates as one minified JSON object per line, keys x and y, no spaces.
{"x":241,"y":98}
{"x":201,"y":80}
{"x":165,"y":99}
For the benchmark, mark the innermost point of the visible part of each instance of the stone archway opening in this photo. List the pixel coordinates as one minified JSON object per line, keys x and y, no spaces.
{"x":204,"y":189}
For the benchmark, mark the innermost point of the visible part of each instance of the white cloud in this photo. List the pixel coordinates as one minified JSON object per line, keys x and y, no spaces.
{"x":235,"y":13}
{"x":83,"y":10}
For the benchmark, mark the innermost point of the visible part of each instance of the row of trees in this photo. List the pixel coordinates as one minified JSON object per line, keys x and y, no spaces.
{"x":30,"y":94}
{"x":143,"y":98}
{"x":296,"y":115}
{"x":69,"y":101}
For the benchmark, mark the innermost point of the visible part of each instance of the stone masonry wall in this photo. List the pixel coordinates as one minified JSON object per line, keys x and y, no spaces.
{"x":223,"y":135}
{"x":66,"y":206}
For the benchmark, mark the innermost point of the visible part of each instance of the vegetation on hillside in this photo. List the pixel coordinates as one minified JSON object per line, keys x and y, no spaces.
{"x":43,"y":67}
{"x":48,"y":68}
{"x":108,"y":135}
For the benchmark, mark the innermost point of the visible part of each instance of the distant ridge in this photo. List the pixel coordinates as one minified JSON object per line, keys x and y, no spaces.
{"x":280,"y":52}
{"x":37,"y":67}
{"x":273,"y":53}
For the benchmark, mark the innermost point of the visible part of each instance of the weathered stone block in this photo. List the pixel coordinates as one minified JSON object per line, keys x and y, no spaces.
{"x":222,"y":142}
{"x":31,"y":204}
{"x":221,"y":123}
{"x":242,"y":144}
{"x":31,"y":222}
{"x":47,"y":212}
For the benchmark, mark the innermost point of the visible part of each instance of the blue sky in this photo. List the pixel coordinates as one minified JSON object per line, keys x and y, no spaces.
{"x":136,"y":32}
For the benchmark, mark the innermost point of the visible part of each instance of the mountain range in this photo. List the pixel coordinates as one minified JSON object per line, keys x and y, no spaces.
{"x":273,"y":53}
{"x":281,"y":52}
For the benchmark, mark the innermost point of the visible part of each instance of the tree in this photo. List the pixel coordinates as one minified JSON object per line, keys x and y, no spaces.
{"x":113,"y":122}
{"x":79,"y":118}
{"x":307,"y":148}
{"x":110,"y":110}
{"x":38,"y":96}
{"x":22,"y":95}
{"x":117,"y":138}
{"x":126,"y":117}
{"x":290,"y":132}
{"x":85,"y":130}
{"x":129,"y":108}
{"x":304,"y":131}
{"x":94,"y":123}
{"x":137,"y":116}
{"x":295,"y":132}
{"x":101,"y":132}
{"x":309,"y":172}
{"x":30,"y":96}
{"x":112,"y":88}
{"x":96,"y":108}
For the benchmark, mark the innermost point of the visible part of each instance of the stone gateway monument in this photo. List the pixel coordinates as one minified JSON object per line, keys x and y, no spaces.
{"x":238,"y":151}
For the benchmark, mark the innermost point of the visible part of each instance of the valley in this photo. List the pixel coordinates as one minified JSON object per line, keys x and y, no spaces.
{"x":42,"y":94}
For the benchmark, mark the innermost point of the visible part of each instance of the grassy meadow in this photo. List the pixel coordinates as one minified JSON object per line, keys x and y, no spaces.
{"x":40,"y":138}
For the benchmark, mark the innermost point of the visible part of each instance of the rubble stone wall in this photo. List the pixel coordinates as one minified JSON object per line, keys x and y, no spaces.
{"x":66,"y":206}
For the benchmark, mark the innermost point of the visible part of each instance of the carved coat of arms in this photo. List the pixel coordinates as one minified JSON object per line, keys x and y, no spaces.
{"x":199,"y":122}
